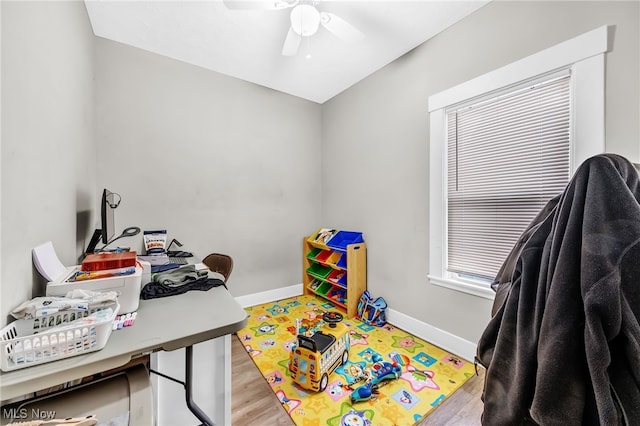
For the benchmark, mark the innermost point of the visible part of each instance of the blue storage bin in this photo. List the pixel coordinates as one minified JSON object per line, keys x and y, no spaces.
{"x":342,"y":239}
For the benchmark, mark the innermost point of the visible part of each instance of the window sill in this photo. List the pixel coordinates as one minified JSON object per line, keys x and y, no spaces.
{"x":463,"y":287}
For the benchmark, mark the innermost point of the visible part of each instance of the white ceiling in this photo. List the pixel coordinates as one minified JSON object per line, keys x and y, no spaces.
{"x":247,"y":44}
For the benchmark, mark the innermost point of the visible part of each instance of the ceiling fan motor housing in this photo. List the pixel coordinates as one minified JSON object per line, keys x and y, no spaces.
{"x":305,"y":20}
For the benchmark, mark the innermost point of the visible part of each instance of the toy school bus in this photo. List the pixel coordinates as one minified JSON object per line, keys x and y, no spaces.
{"x":314,"y":358}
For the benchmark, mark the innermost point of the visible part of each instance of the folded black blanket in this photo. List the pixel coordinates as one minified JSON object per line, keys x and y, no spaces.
{"x":563,"y":344}
{"x":155,"y":289}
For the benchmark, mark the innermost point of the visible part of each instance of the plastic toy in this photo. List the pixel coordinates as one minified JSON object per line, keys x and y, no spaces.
{"x":313,"y":358}
{"x":375,"y":377}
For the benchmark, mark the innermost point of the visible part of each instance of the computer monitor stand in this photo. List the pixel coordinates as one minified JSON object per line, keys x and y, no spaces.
{"x":95,"y":239}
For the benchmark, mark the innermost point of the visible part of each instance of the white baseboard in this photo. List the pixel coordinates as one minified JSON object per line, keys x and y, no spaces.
{"x":269,"y":295}
{"x":443,"y":339}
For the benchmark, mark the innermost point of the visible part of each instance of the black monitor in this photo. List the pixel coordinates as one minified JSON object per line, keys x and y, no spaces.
{"x":107,"y":223}
{"x":107,"y":232}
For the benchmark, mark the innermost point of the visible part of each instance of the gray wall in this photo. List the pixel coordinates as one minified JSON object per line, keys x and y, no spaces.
{"x":376,"y":136}
{"x":48,"y":154}
{"x":222,"y":164}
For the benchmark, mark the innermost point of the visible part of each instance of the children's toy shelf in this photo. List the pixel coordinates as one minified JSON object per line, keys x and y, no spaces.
{"x":335,"y":267}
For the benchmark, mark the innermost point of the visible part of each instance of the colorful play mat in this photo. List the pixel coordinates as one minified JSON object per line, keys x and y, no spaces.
{"x":428,"y":373}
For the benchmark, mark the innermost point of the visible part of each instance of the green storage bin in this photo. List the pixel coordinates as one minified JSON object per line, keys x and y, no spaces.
{"x":313,"y":253}
{"x":324,"y":289}
{"x":319,"y":271}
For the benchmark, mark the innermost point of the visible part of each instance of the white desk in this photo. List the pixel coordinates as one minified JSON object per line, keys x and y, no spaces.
{"x":161,"y":324}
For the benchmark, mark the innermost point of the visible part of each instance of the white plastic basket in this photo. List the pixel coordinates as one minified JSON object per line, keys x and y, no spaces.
{"x":28,"y":342}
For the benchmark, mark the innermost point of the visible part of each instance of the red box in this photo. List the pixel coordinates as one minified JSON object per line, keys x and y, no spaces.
{"x":103,"y":261}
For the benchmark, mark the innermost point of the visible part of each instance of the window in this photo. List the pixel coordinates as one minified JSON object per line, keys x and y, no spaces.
{"x":506,"y":157}
{"x":502,"y":145}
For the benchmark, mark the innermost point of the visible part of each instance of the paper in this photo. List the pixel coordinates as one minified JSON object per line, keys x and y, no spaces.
{"x":47,"y":262}
{"x":200,"y":266}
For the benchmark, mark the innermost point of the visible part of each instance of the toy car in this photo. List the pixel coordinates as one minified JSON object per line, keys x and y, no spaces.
{"x":314,"y":358}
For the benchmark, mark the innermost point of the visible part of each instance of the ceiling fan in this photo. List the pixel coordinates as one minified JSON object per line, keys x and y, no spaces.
{"x":305,"y":21}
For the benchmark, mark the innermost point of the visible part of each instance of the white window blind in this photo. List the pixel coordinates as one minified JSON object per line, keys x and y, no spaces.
{"x":506,"y":157}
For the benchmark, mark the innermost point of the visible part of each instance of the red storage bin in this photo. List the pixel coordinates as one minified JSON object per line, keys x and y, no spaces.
{"x":104,"y":261}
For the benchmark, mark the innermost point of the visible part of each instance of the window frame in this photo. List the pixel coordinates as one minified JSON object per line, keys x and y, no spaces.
{"x":584,"y":57}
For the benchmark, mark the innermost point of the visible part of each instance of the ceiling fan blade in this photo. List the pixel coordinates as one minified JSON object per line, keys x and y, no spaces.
{"x":340,"y":27}
{"x":259,"y":4}
{"x":291,"y":43}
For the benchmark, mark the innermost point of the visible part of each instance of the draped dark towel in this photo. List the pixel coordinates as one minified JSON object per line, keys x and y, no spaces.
{"x":563,"y":344}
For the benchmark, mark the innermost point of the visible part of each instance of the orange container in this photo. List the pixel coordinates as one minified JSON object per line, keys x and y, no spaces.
{"x":103,"y":261}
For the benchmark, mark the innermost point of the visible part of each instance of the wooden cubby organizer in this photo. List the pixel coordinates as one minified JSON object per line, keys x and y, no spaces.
{"x":335,"y":268}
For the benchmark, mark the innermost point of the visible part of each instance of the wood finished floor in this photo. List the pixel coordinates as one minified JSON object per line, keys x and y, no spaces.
{"x":253,"y":402}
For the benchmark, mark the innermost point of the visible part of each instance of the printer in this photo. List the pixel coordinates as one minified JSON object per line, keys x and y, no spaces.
{"x":63,"y":279}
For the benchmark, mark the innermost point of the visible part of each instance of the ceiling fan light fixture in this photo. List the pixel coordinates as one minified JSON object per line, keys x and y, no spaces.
{"x":305,"y":20}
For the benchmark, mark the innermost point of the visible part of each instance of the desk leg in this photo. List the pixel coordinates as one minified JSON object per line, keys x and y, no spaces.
{"x":193,"y":407}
